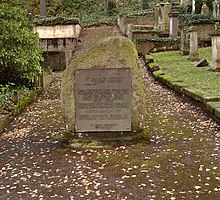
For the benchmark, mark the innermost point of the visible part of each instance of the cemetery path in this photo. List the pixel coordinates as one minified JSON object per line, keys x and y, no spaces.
{"x":182,"y":160}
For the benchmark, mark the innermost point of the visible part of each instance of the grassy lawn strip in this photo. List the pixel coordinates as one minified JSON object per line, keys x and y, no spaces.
{"x":200,"y":78}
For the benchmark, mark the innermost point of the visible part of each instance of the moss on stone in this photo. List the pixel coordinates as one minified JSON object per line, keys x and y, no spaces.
{"x":112,"y":52}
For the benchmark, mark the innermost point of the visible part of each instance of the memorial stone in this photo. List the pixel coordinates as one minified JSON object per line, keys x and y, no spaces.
{"x":174,"y":21}
{"x":184,"y":43}
{"x":103,"y":99}
{"x":216,"y":8}
{"x":103,"y":90}
{"x":215,"y":63}
{"x":205,"y":8}
{"x":193,"y":52}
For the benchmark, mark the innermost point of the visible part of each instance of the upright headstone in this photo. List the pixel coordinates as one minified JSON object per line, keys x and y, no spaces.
{"x":43,"y":8}
{"x":165,"y":9}
{"x":184,"y":43}
{"x":205,"y":8}
{"x":158,"y":17}
{"x":193,"y":52}
{"x":215,"y":63}
{"x":174,"y":20}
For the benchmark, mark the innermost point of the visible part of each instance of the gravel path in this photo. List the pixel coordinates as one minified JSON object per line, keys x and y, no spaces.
{"x":182,"y":160}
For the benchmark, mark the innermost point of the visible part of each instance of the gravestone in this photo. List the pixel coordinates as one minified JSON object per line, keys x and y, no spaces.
{"x":205,"y":8}
{"x":216,"y":8}
{"x":201,"y":63}
{"x":215,"y":63}
{"x":184,"y":43}
{"x":193,"y":52}
{"x":174,"y":21}
{"x":103,"y":89}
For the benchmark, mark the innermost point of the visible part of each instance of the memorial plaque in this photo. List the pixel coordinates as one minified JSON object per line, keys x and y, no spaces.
{"x":103,"y":99}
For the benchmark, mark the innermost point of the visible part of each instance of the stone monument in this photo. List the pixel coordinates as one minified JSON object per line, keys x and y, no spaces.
{"x":193,"y":52}
{"x":184,"y":49}
{"x":215,"y":63}
{"x":174,"y":20}
{"x":103,"y":90}
{"x":216,"y":8}
{"x":205,"y":8}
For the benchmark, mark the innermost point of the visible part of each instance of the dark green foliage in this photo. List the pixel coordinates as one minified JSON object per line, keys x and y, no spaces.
{"x":197,"y":19}
{"x":56,"y":20}
{"x":20,"y":54}
{"x":157,"y":39}
{"x":90,"y":12}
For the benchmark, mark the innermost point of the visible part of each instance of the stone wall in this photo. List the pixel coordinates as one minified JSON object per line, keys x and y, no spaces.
{"x":149,"y":19}
{"x":149,"y":46}
{"x":58,"y":43}
{"x":57,"y":60}
{"x":203,"y":31}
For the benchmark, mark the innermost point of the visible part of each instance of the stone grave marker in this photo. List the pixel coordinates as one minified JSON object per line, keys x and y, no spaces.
{"x":102,"y":91}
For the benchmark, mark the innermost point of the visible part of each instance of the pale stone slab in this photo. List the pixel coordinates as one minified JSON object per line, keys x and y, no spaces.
{"x":58,"y":31}
{"x":103,"y":99}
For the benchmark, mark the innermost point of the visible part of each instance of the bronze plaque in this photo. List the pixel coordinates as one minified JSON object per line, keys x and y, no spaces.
{"x":103,"y":99}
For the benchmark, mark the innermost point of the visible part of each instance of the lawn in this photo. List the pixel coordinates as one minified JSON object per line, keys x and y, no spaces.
{"x":178,"y":66}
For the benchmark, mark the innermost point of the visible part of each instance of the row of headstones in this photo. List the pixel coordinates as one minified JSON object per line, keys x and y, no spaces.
{"x":170,"y":16}
{"x":191,"y":49}
{"x":205,"y":8}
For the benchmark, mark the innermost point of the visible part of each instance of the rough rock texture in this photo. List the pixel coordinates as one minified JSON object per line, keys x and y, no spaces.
{"x":112,"y":52}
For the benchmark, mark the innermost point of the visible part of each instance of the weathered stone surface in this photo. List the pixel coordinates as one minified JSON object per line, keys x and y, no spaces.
{"x":212,"y":106}
{"x":58,"y":31}
{"x":112,"y":52}
{"x":202,"y":63}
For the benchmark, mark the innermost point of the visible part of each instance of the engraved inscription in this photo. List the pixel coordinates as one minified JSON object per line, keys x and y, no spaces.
{"x":103,"y":99}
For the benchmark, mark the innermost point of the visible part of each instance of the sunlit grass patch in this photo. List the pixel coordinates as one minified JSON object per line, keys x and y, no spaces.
{"x":178,"y":66}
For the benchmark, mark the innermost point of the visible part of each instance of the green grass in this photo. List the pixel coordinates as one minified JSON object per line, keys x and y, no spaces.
{"x":199,"y":78}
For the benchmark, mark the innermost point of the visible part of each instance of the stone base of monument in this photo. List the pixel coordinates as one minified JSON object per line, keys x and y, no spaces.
{"x":102,"y":95}
{"x":103,"y":139}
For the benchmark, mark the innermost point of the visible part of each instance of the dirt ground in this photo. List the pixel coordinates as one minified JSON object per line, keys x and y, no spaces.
{"x":182,"y":160}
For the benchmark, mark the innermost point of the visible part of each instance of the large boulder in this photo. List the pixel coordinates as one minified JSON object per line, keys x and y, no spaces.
{"x":112,"y":52}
